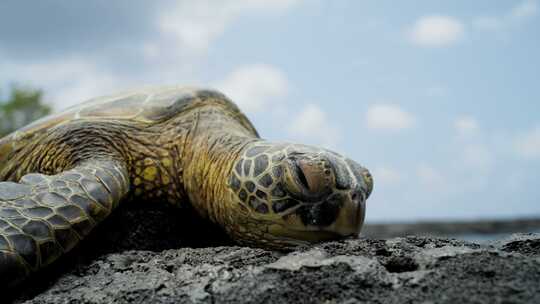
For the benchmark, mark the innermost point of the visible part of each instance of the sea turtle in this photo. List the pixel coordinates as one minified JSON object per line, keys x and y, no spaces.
{"x":64,"y":174}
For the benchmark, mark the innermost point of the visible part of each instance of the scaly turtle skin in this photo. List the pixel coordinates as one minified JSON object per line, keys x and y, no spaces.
{"x":64,"y":174}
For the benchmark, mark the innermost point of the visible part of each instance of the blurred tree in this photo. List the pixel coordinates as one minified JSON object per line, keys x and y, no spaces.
{"x":23,"y":106}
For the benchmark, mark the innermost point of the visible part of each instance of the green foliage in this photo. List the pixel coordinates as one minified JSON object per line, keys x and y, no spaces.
{"x":23,"y":106}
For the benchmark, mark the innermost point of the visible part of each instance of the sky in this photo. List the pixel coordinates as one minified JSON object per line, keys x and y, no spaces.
{"x":439,"y":99}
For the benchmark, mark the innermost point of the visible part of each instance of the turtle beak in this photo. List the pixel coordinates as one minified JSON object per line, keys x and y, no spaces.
{"x":351,"y":216}
{"x":368,"y":182}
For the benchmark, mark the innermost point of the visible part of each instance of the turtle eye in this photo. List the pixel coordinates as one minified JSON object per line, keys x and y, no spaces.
{"x":306,"y":178}
{"x":301,"y":176}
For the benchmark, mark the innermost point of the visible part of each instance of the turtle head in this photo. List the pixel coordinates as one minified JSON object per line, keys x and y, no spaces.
{"x":288,"y":194}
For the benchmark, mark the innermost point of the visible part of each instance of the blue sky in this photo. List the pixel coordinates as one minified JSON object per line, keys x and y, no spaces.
{"x":440,"y":99}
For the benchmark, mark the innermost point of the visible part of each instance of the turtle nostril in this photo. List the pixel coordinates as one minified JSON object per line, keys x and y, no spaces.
{"x":357,"y":195}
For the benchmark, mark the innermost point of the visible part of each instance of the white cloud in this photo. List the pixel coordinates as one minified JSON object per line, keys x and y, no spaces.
{"x":527,"y":145}
{"x":194,"y":24}
{"x":70,"y":81}
{"x":466,"y":126}
{"x":67,"y":81}
{"x":388,"y":117}
{"x":185,"y":29}
{"x":525,"y":9}
{"x":436,"y":31}
{"x":522,"y":11}
{"x":254,"y":87}
{"x":386,"y":175}
{"x":313,"y":124}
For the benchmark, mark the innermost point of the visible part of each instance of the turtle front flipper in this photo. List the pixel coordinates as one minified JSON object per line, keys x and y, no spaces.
{"x":43,"y":217}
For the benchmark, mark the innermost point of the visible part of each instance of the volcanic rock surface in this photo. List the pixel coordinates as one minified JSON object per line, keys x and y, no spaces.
{"x":149,"y":254}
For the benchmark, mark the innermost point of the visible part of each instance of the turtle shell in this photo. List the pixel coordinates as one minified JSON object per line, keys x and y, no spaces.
{"x":147,"y":105}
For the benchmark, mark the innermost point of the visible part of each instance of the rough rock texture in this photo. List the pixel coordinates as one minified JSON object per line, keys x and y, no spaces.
{"x":140,"y":256}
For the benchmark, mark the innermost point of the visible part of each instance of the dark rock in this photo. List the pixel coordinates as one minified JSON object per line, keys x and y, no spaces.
{"x":526,"y":244}
{"x":148,"y":255}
